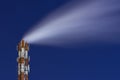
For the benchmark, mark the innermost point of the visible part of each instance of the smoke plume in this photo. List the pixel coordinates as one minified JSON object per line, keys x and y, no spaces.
{"x":76,"y":22}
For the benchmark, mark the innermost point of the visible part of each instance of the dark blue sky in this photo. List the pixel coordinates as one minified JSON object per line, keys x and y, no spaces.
{"x":96,"y":61}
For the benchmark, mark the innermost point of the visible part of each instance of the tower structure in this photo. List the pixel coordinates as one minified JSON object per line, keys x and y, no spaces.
{"x":23,"y":60}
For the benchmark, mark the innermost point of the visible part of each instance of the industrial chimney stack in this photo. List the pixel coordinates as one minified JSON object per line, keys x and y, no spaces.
{"x":23,"y":60}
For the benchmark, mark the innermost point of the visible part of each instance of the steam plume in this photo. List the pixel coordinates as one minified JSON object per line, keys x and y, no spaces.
{"x":94,"y":20}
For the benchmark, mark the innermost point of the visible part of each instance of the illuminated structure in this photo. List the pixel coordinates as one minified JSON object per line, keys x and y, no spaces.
{"x":23,"y":60}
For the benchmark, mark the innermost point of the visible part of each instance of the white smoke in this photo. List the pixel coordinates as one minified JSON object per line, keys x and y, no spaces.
{"x":77,"y":23}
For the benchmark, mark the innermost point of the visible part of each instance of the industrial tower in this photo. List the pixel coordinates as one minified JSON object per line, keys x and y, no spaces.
{"x":23,"y":60}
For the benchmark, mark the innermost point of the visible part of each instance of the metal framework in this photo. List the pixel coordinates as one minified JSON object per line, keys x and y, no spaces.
{"x":23,"y":60}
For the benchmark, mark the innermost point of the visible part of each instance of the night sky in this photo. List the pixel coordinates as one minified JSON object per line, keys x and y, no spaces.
{"x":96,"y":61}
